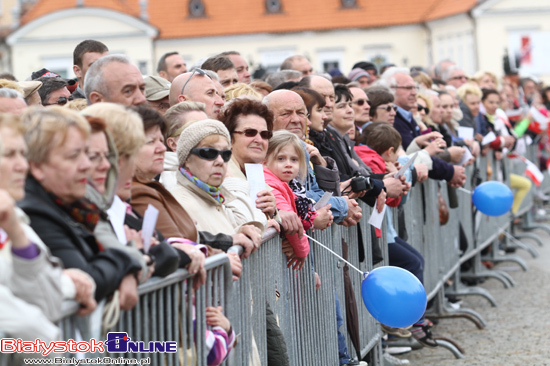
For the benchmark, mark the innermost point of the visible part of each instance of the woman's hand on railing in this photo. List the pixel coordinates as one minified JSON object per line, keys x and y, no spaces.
{"x":236,"y":265}
{"x":249,"y":237}
{"x":424,"y":140}
{"x":436,"y":146}
{"x":128,"y":292}
{"x":266,"y":202}
{"x":456,"y":152}
{"x":85,"y":288}
{"x":354,"y":213}
{"x":274,"y":224}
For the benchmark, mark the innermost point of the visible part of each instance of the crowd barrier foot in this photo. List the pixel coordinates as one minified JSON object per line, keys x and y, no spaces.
{"x":443,"y":342}
{"x":518,"y":244}
{"x":451,"y":345}
{"x":497,"y":275}
{"x":462,"y":290}
{"x":531,"y":236}
{"x":530,"y":226}
{"x":507,"y":258}
{"x":442,"y":309}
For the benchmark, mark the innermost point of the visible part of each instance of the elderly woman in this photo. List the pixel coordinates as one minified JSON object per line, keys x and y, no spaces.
{"x":204,"y":152}
{"x":28,"y":274}
{"x":113,"y":162}
{"x":250,"y":125}
{"x":56,"y":205}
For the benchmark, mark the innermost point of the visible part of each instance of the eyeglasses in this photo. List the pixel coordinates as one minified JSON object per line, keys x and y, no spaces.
{"x":421,"y":108}
{"x":409,"y":88}
{"x":197,"y":70}
{"x":251,"y":132}
{"x":459,"y":77}
{"x":388,"y":108}
{"x":60,"y":101}
{"x":209,"y":153}
{"x":97,"y":157}
{"x":360,"y":102}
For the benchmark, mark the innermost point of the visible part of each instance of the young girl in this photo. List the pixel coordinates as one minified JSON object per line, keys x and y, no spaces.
{"x":285,"y":165}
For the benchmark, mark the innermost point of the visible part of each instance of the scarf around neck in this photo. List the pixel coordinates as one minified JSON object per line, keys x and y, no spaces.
{"x":82,"y":211}
{"x":214,"y":192}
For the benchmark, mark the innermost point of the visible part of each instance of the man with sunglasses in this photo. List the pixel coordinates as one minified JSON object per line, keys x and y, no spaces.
{"x":197,"y":86}
{"x":53,"y":91}
{"x":361,"y":107}
{"x":454,"y":76}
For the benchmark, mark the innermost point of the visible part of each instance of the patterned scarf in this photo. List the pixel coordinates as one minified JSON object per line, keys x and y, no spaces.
{"x":82,"y":211}
{"x":215,"y":192}
{"x":304,"y":205}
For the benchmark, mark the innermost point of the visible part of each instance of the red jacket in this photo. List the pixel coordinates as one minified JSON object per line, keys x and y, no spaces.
{"x":378,"y":166}
{"x":285,"y":201}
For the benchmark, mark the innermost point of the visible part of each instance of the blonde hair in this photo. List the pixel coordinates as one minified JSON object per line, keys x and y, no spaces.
{"x":240,"y":89}
{"x":426,"y":99}
{"x":468,"y":89}
{"x":77,"y":104}
{"x":8,"y":84}
{"x":124,"y":126}
{"x":284,"y":138}
{"x":48,"y":128}
{"x":480,"y":74}
{"x":12,"y":121}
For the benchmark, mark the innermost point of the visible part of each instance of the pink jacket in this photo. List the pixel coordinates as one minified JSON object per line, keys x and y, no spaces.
{"x":285,"y":201}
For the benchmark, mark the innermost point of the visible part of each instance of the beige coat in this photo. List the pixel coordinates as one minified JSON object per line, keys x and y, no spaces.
{"x":211,"y":215}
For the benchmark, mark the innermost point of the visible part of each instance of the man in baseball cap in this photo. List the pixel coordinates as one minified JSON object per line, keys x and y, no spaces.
{"x":157,"y":91}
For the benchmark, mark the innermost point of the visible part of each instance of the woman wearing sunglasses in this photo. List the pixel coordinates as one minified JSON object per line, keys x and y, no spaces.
{"x":204,"y":152}
{"x":250,"y":125}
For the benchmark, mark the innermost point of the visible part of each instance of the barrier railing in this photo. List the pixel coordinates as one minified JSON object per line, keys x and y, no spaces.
{"x":306,"y":316}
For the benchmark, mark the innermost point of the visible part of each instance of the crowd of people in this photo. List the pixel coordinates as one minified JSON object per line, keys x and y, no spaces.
{"x":83,"y":159}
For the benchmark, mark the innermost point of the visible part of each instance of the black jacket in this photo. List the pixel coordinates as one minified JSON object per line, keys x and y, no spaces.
{"x":73,"y":243}
{"x":408,"y":131}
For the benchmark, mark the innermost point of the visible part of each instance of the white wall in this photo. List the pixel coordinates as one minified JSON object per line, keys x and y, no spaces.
{"x":402,"y":44}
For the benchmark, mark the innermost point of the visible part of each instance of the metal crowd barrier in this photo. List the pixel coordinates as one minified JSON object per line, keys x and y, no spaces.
{"x":306,"y":316}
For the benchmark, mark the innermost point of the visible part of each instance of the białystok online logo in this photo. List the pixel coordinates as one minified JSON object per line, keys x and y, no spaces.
{"x":117,"y":342}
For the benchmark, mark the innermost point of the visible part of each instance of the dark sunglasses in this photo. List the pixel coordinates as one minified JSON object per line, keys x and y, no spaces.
{"x":209,"y":153}
{"x":360,"y":102}
{"x":60,"y":101}
{"x":389,"y":108}
{"x":421,"y":108}
{"x":251,"y":132}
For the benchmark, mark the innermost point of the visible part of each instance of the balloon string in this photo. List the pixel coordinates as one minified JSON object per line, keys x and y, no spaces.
{"x":336,"y":255}
{"x":464,"y":190}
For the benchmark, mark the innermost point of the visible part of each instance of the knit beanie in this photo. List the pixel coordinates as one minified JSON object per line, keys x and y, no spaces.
{"x":358,"y":73}
{"x":194,"y":132}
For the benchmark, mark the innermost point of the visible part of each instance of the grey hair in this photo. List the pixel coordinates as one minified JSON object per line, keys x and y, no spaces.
{"x":174,"y":115}
{"x":10,"y":93}
{"x":280,"y":77}
{"x":93,"y":81}
{"x":438,"y":67}
{"x":387,"y":79}
{"x":446,"y":74}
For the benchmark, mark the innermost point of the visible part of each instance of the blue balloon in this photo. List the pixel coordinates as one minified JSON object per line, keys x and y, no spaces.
{"x":493,"y":198}
{"x":394,"y":296}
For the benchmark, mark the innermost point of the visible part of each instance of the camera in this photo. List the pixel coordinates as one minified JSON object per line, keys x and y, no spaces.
{"x":360,"y":183}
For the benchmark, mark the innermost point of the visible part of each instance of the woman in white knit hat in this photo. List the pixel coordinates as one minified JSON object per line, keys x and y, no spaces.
{"x":204,"y":150}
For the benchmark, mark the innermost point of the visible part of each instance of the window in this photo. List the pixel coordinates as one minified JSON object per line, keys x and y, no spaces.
{"x":271,"y":59}
{"x":349,"y":3}
{"x":62,"y":66}
{"x":196,"y":9}
{"x":273,"y":6}
{"x":329,"y":59}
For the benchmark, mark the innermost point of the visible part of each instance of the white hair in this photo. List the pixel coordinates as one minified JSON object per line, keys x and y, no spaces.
{"x":387,"y":79}
{"x":446,"y":74}
{"x":212,"y":75}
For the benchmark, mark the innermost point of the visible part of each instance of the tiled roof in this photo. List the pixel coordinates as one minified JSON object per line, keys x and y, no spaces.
{"x":227,"y":17}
